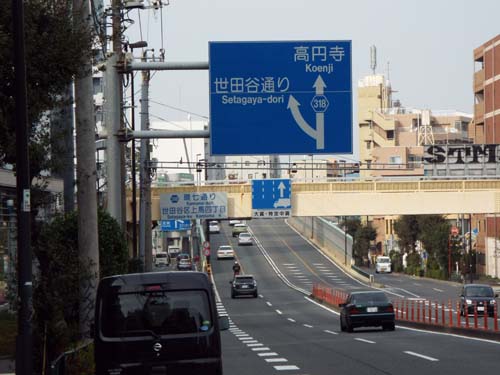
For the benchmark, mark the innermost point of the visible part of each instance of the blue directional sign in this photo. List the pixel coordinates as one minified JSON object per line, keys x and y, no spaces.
{"x":175,"y":225}
{"x":280,"y":97}
{"x":271,"y":198}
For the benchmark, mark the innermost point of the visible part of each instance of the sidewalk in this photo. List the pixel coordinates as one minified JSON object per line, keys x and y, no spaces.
{"x":7,"y":366}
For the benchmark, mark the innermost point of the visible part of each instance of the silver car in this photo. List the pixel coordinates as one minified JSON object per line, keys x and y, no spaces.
{"x":245,"y":238}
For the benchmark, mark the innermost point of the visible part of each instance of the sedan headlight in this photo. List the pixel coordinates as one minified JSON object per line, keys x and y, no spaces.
{"x":468,"y":302}
{"x":492,"y":302}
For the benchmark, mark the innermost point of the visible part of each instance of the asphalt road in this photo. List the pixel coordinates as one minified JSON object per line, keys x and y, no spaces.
{"x":283,"y":331}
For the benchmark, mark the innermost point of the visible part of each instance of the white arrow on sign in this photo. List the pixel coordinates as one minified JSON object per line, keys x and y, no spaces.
{"x":281,"y":188}
{"x":319,"y":133}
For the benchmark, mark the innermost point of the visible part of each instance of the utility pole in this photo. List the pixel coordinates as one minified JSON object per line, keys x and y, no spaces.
{"x":24,"y":340}
{"x":145,"y":251}
{"x":88,"y":243}
{"x":113,"y":98}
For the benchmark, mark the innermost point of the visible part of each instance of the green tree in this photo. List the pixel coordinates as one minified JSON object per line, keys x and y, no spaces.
{"x":363,"y":237}
{"x":54,"y":51}
{"x":56,"y":297}
{"x":407,"y":230}
{"x":434,"y":231}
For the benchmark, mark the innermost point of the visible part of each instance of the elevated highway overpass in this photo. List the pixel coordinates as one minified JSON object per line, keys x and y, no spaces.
{"x":376,"y":197}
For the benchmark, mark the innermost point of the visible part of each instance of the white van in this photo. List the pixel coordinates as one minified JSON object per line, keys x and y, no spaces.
{"x":383,"y":264}
{"x":162,"y":259}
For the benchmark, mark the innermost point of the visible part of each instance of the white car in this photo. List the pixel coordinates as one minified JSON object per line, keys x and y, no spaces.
{"x":245,"y":238}
{"x":234,"y":221}
{"x":213,"y":227}
{"x":225,"y":252}
{"x":383,"y":264}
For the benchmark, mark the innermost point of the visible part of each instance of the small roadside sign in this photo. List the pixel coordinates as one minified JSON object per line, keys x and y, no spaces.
{"x":206,"y":245}
{"x":206,"y":251}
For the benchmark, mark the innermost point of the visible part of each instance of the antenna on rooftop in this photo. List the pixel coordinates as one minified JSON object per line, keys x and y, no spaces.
{"x":373,"y":58}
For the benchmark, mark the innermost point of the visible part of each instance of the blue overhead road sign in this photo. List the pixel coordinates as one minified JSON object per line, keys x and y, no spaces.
{"x":280,"y":97}
{"x":271,"y":198}
{"x":175,"y":225}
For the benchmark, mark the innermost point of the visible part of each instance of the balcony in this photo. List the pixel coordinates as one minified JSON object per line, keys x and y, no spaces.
{"x":479,"y":80}
{"x":479,"y":113}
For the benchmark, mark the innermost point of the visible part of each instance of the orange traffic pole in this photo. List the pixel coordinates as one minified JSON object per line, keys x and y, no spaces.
{"x":475,"y":315}
{"x":485,"y":314}
{"x":450,"y":314}
{"x":495,"y":318}
{"x":459,"y":321}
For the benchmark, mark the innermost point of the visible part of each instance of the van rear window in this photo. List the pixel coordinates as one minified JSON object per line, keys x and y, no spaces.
{"x":159,"y":312}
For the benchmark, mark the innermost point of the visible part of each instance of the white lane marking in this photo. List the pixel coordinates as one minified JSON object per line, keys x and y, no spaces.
{"x":301,"y":276}
{"x":308,"y":326}
{"x":250,"y":341}
{"x":267,"y":354}
{"x":438,"y":290}
{"x":330,"y":332}
{"x":289,"y":264}
{"x":317,"y":264}
{"x":242,"y":335}
{"x":323,"y":307}
{"x":245,"y":338}
{"x":269,"y":303}
{"x":261,"y":296}
{"x":417,"y":284}
{"x":259,"y":344}
{"x":292,"y":320}
{"x":363,"y":340}
{"x":285,"y":368}
{"x":279,"y":312}
{"x":422,"y":356}
{"x":271,"y":360}
{"x":262,"y":349}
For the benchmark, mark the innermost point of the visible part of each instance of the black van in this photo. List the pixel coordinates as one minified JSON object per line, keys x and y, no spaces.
{"x":157,"y":323}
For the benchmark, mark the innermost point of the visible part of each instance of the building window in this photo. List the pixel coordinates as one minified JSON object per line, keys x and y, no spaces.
{"x":250,"y":176}
{"x":394,"y":159}
{"x":390,"y":134}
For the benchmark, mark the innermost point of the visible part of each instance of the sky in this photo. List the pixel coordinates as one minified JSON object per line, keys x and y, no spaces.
{"x":427,"y":44}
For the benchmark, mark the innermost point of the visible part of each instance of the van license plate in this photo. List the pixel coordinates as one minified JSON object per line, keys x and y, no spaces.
{"x":480,"y":308}
{"x":372,"y":309}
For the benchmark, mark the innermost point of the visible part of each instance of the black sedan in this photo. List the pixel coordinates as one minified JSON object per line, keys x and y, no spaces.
{"x":366,"y":309}
{"x":477,"y":296}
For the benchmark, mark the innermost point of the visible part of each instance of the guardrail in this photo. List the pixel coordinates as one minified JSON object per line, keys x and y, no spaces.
{"x":363,"y":273}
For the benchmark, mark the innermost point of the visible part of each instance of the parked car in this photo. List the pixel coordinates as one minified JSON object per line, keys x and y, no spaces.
{"x":243,"y":285}
{"x":162,"y":259}
{"x":239,"y":228}
{"x":383,"y":264}
{"x":234,"y":221}
{"x":480,"y":296}
{"x":213,"y":226}
{"x":245,"y":238}
{"x":225,"y":252}
{"x":366,"y":309}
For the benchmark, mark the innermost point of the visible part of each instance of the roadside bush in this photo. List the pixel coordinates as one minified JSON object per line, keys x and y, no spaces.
{"x":414,"y":265}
